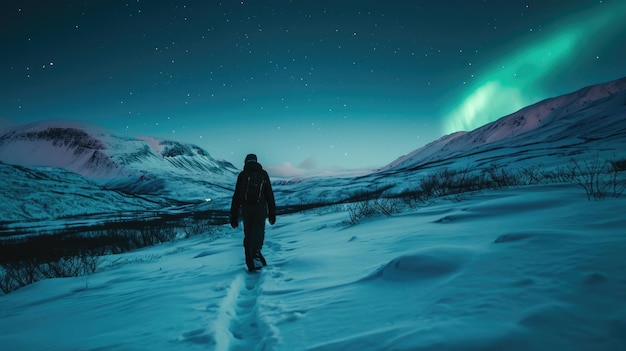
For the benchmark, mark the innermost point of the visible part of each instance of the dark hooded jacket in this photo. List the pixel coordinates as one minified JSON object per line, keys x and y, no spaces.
{"x":266,"y":205}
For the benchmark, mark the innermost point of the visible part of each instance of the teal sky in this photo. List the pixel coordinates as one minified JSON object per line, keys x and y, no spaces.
{"x":309,"y":86}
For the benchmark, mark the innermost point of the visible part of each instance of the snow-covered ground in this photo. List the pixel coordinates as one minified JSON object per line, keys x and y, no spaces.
{"x":532,"y":268}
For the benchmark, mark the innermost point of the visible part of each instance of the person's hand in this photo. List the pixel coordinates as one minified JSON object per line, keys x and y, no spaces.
{"x":272,"y":220}
{"x":234,"y":224}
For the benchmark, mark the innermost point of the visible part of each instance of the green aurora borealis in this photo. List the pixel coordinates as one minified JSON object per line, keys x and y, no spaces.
{"x":515,"y":80}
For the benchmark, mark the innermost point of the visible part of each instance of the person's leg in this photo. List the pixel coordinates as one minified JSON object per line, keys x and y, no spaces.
{"x":249,"y":241}
{"x":254,"y":229}
{"x":249,"y":253}
{"x":258,"y":234}
{"x":261,"y":240}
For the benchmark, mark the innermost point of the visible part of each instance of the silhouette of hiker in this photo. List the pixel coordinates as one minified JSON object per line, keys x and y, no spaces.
{"x":255,"y":198}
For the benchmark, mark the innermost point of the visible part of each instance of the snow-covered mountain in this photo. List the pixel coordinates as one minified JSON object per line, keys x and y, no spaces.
{"x":590,"y":119}
{"x":95,"y":153}
{"x":148,"y":172}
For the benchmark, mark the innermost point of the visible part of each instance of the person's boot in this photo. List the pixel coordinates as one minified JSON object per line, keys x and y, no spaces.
{"x":259,"y":255}
{"x":258,"y":264}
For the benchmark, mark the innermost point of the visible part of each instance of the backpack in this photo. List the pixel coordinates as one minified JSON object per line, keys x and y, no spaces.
{"x":255,"y":182}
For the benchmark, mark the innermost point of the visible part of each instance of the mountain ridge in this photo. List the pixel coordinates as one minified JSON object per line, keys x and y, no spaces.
{"x":88,"y":149}
{"x":141,"y":168}
{"x":549,"y":119}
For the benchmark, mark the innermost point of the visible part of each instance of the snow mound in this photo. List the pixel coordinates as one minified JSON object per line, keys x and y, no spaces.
{"x":422,"y":265}
{"x":594,"y":278}
{"x":540,"y":237}
{"x":510,"y":237}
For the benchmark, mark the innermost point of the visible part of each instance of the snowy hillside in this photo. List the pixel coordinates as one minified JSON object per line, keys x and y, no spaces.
{"x":588,"y":123}
{"x":536,"y":268}
{"x":121,"y":168}
{"x":37,"y":197}
{"x":592,"y":120}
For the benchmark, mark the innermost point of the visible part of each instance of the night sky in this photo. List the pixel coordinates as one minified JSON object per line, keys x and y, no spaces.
{"x":307,"y":85}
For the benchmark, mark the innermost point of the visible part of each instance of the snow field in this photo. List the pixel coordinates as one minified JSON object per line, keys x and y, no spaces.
{"x":533,"y":268}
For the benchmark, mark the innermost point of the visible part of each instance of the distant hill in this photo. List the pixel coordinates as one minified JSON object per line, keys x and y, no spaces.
{"x":590,"y":119}
{"x":146,"y":172}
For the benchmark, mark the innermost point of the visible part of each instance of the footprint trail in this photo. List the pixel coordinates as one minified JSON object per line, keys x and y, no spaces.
{"x":238,"y":325}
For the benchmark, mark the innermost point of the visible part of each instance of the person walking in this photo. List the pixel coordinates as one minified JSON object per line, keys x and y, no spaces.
{"x":254,"y":199}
